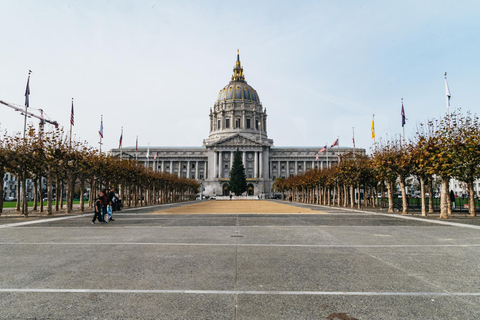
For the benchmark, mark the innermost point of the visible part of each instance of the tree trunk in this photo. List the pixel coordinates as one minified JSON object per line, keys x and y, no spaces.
{"x":390,"y":196}
{"x":352,"y":197}
{"x":430,"y":195}
{"x":471,"y":199}
{"x":49,"y":192}
{"x":422,"y":195}
{"x":35,"y":194}
{"x":69,"y":192}
{"x":359,"y":205}
{"x":82,"y":198}
{"x":444,"y":199}
{"x":19,"y":178}
{"x":404,"y":194}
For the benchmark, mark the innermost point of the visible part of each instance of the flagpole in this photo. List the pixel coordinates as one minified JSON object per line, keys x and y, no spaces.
{"x":403,"y":124}
{"x":373,"y":128}
{"x":121,"y":143}
{"x":326,"y":151}
{"x":447,"y":91}
{"x":101,"y":135}
{"x":71,"y":126}
{"x":27,"y":103}
{"x":353,"y":138}
{"x":136,"y":150}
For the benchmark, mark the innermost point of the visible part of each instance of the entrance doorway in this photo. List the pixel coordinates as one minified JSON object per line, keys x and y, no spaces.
{"x":250,"y":189}
{"x":225,"y":189}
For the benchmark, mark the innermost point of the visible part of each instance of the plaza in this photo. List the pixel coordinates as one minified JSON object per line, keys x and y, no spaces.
{"x":271,"y":260}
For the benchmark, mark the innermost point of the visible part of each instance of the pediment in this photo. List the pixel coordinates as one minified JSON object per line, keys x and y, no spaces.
{"x":236,"y":140}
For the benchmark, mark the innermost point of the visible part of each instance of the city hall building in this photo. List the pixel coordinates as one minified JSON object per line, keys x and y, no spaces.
{"x":237,"y":121}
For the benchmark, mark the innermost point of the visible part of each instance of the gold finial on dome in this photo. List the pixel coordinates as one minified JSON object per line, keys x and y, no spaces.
{"x":238,"y":70}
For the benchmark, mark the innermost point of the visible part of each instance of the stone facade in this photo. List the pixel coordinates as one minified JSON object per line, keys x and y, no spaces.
{"x":237,"y":121}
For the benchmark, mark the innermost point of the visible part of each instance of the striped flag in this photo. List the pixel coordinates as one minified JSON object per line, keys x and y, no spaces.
{"x":335,"y":144}
{"x":155,"y":156}
{"x":72,"y":118}
{"x":322,"y":150}
{"x":100,"y":132}
{"x":121,"y":139}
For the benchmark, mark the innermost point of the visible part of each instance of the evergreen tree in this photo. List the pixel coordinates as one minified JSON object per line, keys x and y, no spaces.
{"x":238,"y":179}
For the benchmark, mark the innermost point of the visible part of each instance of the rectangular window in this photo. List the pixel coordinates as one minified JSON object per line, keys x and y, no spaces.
{"x":227,"y":123}
{"x":218,"y":125}
{"x":237,"y":123}
{"x":248,"y":123}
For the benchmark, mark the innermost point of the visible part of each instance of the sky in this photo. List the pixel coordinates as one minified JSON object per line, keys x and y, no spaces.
{"x":322,"y":69}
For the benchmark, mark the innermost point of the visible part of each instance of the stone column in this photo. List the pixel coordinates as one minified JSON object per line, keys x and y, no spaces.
{"x":296,"y":167}
{"x":196,"y":169}
{"x":171,"y":167}
{"x":215,"y":161}
{"x":188,"y":169}
{"x":220,"y":160}
{"x":260,"y":161}
{"x":255,"y":163}
{"x":231,"y":159}
{"x":244,"y":156}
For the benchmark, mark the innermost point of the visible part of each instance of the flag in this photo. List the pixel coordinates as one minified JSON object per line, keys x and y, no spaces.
{"x":136,"y":145}
{"x":334,"y":144}
{"x":121,"y":138}
{"x":317,"y":157}
{"x":72,"y":121}
{"x":373,"y":129}
{"x":155,"y":156}
{"x":323,"y":149}
{"x":403,"y":116}
{"x":100,"y":132}
{"x":27,"y":93}
{"x":353,"y":137}
{"x":353,"y":140}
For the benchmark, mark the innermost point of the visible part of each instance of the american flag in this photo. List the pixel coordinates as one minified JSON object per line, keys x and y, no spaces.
{"x":155,"y":156}
{"x":121,"y":138}
{"x":72,"y":121}
{"x":334,"y":144}
{"x":323,"y":149}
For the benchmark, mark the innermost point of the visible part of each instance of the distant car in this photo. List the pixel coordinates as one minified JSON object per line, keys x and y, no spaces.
{"x":10,"y":199}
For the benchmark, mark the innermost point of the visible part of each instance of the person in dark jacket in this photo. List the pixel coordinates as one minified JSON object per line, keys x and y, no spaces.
{"x":452,"y":199}
{"x":98,"y":211}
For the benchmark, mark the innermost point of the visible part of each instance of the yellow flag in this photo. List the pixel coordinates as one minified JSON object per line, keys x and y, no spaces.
{"x":373,"y":129}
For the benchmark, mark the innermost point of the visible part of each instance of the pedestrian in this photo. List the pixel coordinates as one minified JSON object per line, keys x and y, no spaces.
{"x":104,"y":201}
{"x":452,"y":198}
{"x":113,"y":200}
{"x":97,"y":211}
{"x":109,"y":212}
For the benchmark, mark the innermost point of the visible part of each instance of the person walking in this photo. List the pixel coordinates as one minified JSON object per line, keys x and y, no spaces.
{"x":98,"y":210}
{"x":452,"y":199}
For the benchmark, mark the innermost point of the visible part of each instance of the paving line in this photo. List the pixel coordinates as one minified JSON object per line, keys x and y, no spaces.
{"x":244,"y":292}
{"x":19,"y":224}
{"x":183,"y":244}
{"x":400,"y":216}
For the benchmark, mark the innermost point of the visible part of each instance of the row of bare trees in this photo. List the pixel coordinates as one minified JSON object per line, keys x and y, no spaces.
{"x":445,"y":149}
{"x":76,"y":165}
